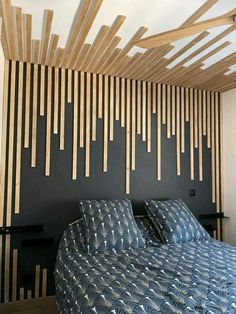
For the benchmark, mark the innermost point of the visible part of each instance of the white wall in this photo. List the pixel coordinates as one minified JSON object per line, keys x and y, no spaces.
{"x":229,"y":140}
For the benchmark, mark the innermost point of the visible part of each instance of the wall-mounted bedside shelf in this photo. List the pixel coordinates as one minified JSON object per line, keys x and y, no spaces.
{"x":21,"y":229}
{"x":213,"y":231}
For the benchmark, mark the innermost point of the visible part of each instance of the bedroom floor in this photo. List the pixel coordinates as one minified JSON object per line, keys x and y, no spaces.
{"x":41,"y":306}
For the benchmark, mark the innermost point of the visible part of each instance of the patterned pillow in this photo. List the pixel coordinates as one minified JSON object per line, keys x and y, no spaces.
{"x":110,"y":225}
{"x":148,"y":230}
{"x":174,"y":222}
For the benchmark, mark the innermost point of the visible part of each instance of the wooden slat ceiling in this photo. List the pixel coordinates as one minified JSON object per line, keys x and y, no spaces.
{"x":105,"y":57}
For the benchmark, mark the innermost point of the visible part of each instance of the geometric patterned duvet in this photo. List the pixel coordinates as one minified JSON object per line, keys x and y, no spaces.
{"x":196,"y":277}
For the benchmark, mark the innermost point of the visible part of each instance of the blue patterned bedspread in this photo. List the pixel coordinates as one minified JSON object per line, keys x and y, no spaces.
{"x":197,"y":277}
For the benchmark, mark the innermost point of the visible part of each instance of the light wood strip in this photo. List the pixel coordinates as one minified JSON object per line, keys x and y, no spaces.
{"x":11,"y":144}
{"x":34,"y":116}
{"x":139,"y":107}
{"x":213,"y":159}
{"x":22,"y":294}
{"x":217,"y":152}
{"x":44,"y":283}
{"x":111,"y":135}
{"x":94,"y":108}
{"x":8,"y":22}
{"x":117,"y":114}
{"x":191,"y":144}
{"x":195,"y":118}
{"x":4,"y":140}
{"x":178,"y":131}
{"x":51,"y":49}
{"x":208,"y":119}
{"x":200,"y":135}
{"x":56,"y":100}
{"x":69,"y":85}
{"x":48,"y":124}
{"x":173,"y":102}
{"x":159,"y":134}
{"x":100,"y":95}
{"x":222,"y":196}
{"x":133,"y":143}
{"x":81,"y":117}
{"x":204,"y":131}
{"x":62,"y":112}
{"x":105,"y":124}
{"x":35,"y":51}
{"x":163,"y":92}
{"x":144,"y":105}
{"x":168,"y":127}
{"x":154,"y":98}
{"x":4,"y":38}
{"x":149,"y":118}
{"x":27,"y":105}
{"x":75,"y":128}
{"x":88,"y":131}
{"x":14,"y":275}
{"x":18,"y":43}
{"x":27,"y":31}
{"x":7,"y":268}
{"x":122,"y":120}
{"x":110,"y":59}
{"x":37,"y":281}
{"x":187,"y":104}
{"x":81,"y":57}
{"x":46,"y":30}
{"x":42,"y":90}
{"x":29,"y":294}
{"x":127,"y":186}
{"x":57,"y":57}
{"x":182,"y":120}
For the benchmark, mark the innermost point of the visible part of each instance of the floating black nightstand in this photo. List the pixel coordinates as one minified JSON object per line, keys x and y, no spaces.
{"x":219,"y":217}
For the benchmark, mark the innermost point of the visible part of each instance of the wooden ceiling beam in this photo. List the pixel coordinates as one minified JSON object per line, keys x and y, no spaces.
{"x":81,"y":56}
{"x":51,"y":49}
{"x":57,"y":57}
{"x":35,"y":51}
{"x":109,"y":60}
{"x":27,"y":33}
{"x":6,"y":11}
{"x":17,"y":31}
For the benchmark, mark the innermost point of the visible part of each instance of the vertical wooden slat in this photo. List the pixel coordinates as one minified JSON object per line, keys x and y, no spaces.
{"x":56,"y":90}
{"x":133,"y":144}
{"x":111,"y":135}
{"x":1,"y":263}
{"x":213,"y":175}
{"x":127,"y":188}
{"x":200,"y":135}
{"x":11,"y":144}
{"x":34,"y":116}
{"x":204,"y":120}
{"x":173,"y":101}
{"x":122,"y":118}
{"x":94,"y":108}
{"x":19,"y":139}
{"x":144,"y":97}
{"x":75,"y":128}
{"x":163,"y":92}
{"x":7,"y":268}
{"x":46,"y":29}
{"x":117,"y":114}
{"x":62,"y":113}
{"x":187,"y":103}
{"x":37,"y":281}
{"x":81,"y":122}
{"x":217,"y":152}
{"x":178,"y":131}
{"x":44,"y":283}
{"x":208,"y":119}
{"x":100,"y":95}
{"x":22,"y":294}
{"x":27,"y":105}
{"x":221,"y":155}
{"x":105,"y":125}
{"x":182,"y":120}
{"x":168,"y":111}
{"x":87,"y":135}
{"x":42,"y":89}
{"x":69,"y":85}
{"x":149,"y":118}
{"x":14,"y":275}
{"x":195,"y":118}
{"x":191,"y":144}
{"x":154,"y":98}
{"x":48,"y":124}
{"x":29,"y":294}
{"x":159,"y":134}
{"x":4,"y":140}
{"x":139,"y":107}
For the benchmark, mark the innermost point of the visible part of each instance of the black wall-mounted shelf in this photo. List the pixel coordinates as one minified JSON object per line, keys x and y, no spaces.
{"x":21,"y":229}
{"x":213,"y":216}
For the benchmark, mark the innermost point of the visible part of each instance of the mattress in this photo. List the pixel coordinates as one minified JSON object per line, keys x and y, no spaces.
{"x":194,"y":277}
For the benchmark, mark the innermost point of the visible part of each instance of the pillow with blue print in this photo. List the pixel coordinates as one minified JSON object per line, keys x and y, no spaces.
{"x":175,"y":222}
{"x":109,"y":225}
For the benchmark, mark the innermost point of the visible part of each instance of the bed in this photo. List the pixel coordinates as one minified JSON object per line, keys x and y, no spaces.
{"x":193,"y":277}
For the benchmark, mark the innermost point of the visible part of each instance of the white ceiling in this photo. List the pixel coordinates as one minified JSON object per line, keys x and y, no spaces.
{"x":157,"y":15}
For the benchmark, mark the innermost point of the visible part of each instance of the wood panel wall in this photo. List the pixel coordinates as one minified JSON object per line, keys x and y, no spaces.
{"x":33,"y":92}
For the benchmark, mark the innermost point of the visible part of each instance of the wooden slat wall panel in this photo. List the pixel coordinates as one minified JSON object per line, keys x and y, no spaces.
{"x":168,"y":113}
{"x":159,"y":134}
{"x":105,"y":125}
{"x":149,"y":118}
{"x":44,"y":283}
{"x":69,"y":85}
{"x":178,"y":142}
{"x":88,"y":126}
{"x":208,"y":119}
{"x":34,"y":116}
{"x":48,"y":123}
{"x":37,"y":281}
{"x":127,"y":163}
{"x":144,"y":109}
{"x":191,"y":144}
{"x":75,"y":128}
{"x":173,"y":105}
{"x":7,"y":268}
{"x":94,"y":108}
{"x":182,"y":120}
{"x":138,"y":107}
{"x":213,"y":170}
{"x":111,"y":129}
{"x":100,"y":95}
{"x":62,"y":112}
{"x":117,"y":114}
{"x":27,"y":104}
{"x":217,"y":152}
{"x":133,"y":131}
{"x":56,"y":100}
{"x":122,"y":113}
{"x":200,"y":135}
{"x":42,"y":89}
{"x":46,"y":29}
{"x":14,"y":275}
